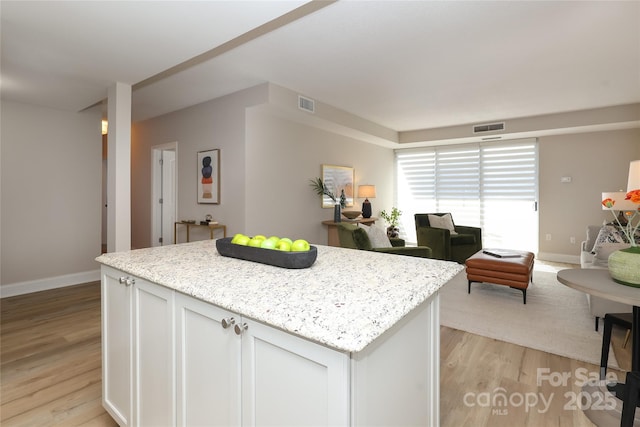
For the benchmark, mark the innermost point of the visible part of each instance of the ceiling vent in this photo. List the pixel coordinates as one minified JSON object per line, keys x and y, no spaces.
{"x":306,"y":104}
{"x":488,"y":128}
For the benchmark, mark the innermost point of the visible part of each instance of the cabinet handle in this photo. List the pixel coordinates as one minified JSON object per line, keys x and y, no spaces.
{"x":228,"y":322}
{"x":239,"y":329}
{"x":122,"y":279}
{"x":130,"y":281}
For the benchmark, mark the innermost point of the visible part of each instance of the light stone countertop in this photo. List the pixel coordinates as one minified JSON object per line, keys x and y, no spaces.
{"x":345,"y":300}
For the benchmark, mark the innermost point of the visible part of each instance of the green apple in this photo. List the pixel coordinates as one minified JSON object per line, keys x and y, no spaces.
{"x":269,"y":244}
{"x":300,"y":245}
{"x":237,"y":237}
{"x":242,"y":240}
{"x":284,"y":245}
{"x":259,"y":236}
{"x":286,"y":239}
{"x":256,"y":242}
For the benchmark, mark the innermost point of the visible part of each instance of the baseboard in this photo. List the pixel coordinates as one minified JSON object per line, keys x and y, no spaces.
{"x":22,"y":288}
{"x":568,"y":259}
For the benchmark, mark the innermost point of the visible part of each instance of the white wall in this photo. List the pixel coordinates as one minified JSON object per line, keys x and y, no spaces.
{"x":51,"y":196}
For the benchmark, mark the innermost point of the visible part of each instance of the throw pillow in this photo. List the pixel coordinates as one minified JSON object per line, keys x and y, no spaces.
{"x":444,"y":221}
{"x":609,"y":234}
{"x":377,"y":236}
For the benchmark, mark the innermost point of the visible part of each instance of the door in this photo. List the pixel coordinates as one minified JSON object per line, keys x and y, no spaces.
{"x":168,"y":195}
{"x":164,"y":205}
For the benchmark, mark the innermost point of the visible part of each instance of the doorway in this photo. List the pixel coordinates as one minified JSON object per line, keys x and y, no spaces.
{"x":164,"y":206}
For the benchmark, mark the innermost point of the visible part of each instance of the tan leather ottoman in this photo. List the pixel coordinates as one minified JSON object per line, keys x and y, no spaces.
{"x":513,"y":271}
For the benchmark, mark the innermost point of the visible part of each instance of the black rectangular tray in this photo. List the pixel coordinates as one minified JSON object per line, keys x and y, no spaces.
{"x":267,"y":256}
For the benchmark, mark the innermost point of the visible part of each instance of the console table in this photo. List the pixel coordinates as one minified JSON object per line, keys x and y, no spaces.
{"x":332,"y":237}
{"x":211,"y":227}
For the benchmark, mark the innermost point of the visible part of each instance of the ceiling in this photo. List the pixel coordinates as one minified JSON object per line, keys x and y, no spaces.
{"x":405,"y":65}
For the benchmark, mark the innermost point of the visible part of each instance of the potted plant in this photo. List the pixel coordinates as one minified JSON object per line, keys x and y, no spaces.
{"x":392,"y":219}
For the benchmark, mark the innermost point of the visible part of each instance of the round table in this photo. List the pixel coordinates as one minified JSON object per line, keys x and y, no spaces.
{"x":599,"y":283}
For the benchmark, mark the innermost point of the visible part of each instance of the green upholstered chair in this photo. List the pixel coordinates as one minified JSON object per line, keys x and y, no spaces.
{"x":446,"y":246}
{"x":354,"y":237}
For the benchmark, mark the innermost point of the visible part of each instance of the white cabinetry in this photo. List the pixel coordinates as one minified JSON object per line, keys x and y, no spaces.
{"x":290,"y":381}
{"x":138,"y":350}
{"x":170,"y":359}
{"x":117,"y":346}
{"x":153,"y":352}
{"x":208,"y":359}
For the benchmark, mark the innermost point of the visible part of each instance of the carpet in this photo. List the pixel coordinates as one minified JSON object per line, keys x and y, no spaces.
{"x":556,"y":318}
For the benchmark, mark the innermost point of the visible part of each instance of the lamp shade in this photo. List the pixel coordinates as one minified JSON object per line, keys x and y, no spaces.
{"x":367,"y":191}
{"x":634,"y":176}
{"x":620,"y":204}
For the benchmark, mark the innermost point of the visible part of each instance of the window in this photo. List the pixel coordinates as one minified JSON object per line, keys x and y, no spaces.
{"x":490,"y":185}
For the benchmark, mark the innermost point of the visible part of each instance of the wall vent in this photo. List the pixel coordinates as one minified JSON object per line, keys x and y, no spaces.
{"x":488,"y":127}
{"x":306,"y":104}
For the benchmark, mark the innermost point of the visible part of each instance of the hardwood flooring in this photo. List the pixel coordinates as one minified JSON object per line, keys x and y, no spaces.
{"x":50,"y":369}
{"x":50,"y":352}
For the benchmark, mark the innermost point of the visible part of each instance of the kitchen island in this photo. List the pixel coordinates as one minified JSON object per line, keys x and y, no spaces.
{"x":191,"y":338}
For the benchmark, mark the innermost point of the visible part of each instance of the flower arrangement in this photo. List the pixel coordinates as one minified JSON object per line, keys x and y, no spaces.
{"x":629,"y":229}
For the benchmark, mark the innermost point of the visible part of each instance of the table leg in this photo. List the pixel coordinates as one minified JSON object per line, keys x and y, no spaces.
{"x":188,"y":228}
{"x":635,"y":345}
{"x":620,"y":389}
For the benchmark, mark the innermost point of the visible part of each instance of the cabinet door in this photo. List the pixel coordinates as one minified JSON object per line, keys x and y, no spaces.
{"x":154,"y":360}
{"x":117,"y":353}
{"x":208,"y":358}
{"x":289,"y":381}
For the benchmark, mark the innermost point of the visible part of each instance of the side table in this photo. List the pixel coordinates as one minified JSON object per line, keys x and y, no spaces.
{"x":332,"y":228}
{"x":211,"y":227}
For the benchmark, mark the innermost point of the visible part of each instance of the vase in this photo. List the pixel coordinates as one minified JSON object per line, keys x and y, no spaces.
{"x":393,"y":232}
{"x":336,"y":213}
{"x":624,"y":266}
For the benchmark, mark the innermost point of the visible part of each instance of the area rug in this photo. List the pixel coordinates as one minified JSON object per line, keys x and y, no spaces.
{"x":556,"y":318}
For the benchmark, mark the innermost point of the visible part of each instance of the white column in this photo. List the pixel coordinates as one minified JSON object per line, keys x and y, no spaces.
{"x":119,"y":168}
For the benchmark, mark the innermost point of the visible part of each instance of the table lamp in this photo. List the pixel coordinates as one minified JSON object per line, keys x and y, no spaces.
{"x":366,"y":191}
{"x":634,"y":176}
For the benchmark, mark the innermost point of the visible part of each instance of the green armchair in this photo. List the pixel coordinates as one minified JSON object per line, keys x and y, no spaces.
{"x":354,"y":237}
{"x":446,"y":246}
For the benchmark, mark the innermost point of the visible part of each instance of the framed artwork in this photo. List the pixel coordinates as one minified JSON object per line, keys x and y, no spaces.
{"x":337,"y":179}
{"x":209,"y":176}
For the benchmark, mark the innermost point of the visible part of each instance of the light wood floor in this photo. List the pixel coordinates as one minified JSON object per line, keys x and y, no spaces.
{"x":51,"y":368}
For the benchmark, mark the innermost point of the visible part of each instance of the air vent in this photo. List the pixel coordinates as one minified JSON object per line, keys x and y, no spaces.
{"x":488,"y":128}
{"x":306,"y":104}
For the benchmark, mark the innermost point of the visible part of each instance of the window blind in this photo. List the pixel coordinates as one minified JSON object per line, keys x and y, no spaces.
{"x":492,"y":185}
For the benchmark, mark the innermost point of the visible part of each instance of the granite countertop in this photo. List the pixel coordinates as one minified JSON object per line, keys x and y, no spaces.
{"x":345,"y":300}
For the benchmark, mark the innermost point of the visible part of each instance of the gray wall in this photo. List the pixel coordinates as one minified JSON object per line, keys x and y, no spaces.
{"x":50,"y":226}
{"x":266,"y":164}
{"x":596,"y":162}
{"x":51,"y":194}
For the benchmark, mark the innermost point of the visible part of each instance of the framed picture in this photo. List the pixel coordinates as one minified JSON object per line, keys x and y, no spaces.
{"x":337,"y":179}
{"x":209,"y":176}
